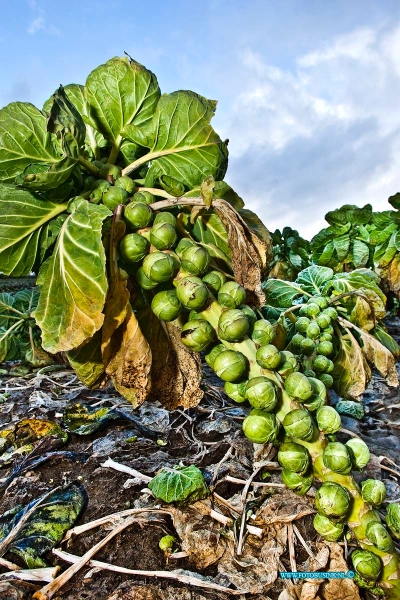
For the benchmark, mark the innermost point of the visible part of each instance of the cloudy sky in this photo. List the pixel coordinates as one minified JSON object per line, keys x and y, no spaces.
{"x":308,"y":90}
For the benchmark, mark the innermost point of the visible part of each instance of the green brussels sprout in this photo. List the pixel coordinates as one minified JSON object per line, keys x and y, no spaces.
{"x":373,"y":491}
{"x":325,"y":337}
{"x":298,"y":424}
{"x":307,"y":346}
{"x":288,"y":363}
{"x":309,"y":373}
{"x":250,"y":314}
{"x":133,"y":248}
{"x":230,"y":365}
{"x":296,"y":340}
{"x":367,"y":564}
{"x":336,"y":457}
{"x":293,"y":457}
{"x":213,"y":353}
{"x":315,"y":403}
{"x":325,"y":348}
{"x":313,"y":309}
{"x":359,"y":452}
{"x":300,"y":484}
{"x":393,"y":519}
{"x":260,"y":427}
{"x":350,"y":408}
{"x":261,"y":393}
{"x":332,"y":500}
{"x":165,"y":217}
{"x":166,"y":306}
{"x":195,"y":316}
{"x":197,"y":335}
{"x":318,"y":388}
{"x":138,"y":215}
{"x":89,"y":183}
{"x":162,"y":235}
{"x":183,"y":245}
{"x":263,"y":332}
{"x":331,"y":532}
{"x":96,"y":196}
{"x":108,"y":170}
{"x":313,"y":331}
{"x":329,"y":330}
{"x":330,"y":366}
{"x":126,"y":183}
{"x":331,"y":312}
{"x":233,"y":325}
{"x":322,"y":301}
{"x":158,"y":267}
{"x":323,"y":321}
{"x":328,"y":420}
{"x":320,"y":363}
{"x":214,"y":280}
{"x":101,"y":184}
{"x":144,"y":282}
{"x":195,"y":260}
{"x":236,"y":391}
{"x":326,"y":379}
{"x":298,"y":386}
{"x":98,"y":163}
{"x":302,"y":324}
{"x":303,"y":310}
{"x":167,"y":543}
{"x":114,"y":196}
{"x":379,"y":536}
{"x":192,"y":293}
{"x":231,"y":295}
{"x":268,"y":357}
{"x":143,"y":197}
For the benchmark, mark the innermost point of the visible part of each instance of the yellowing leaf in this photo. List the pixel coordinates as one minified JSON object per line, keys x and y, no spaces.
{"x":351,"y":374}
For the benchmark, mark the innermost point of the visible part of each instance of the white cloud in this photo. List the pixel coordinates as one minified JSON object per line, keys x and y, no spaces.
{"x":39,"y":22}
{"x":36,"y":25}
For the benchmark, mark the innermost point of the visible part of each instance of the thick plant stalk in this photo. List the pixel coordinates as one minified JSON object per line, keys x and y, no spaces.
{"x":361,"y":513}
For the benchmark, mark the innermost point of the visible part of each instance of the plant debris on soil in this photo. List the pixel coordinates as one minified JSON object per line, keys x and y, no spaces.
{"x":240,"y":538}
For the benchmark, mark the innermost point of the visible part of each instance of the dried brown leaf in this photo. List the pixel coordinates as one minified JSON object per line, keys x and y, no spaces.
{"x":333,"y":589}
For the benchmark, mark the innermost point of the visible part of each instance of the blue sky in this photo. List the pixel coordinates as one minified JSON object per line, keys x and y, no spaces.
{"x":308,"y":90}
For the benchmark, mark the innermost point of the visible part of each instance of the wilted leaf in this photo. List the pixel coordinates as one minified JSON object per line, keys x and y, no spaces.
{"x":386,"y":339}
{"x":32,"y":531}
{"x":181,"y":484}
{"x":361,"y":281}
{"x":84,"y":420}
{"x":209,"y":230}
{"x":351,"y":374}
{"x":314,"y":278}
{"x":207,"y":190}
{"x":281,"y":293}
{"x":254,"y":223}
{"x":73,"y":282}
{"x":87,"y":362}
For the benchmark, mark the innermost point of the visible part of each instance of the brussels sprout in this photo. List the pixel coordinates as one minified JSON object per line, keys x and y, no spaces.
{"x":325,"y":348}
{"x":313,"y":330}
{"x":393,"y":519}
{"x":307,"y":346}
{"x":336,"y":457}
{"x":261,"y":393}
{"x":367,"y":564}
{"x":325,"y":337}
{"x":167,"y":543}
{"x":331,"y":532}
{"x":332,"y":500}
{"x":268,"y":357}
{"x":183,"y":245}
{"x":359,"y":452}
{"x":96,"y":196}
{"x":98,"y":163}
{"x":323,"y":321}
{"x":231,"y":295}
{"x":296,"y":340}
{"x":298,"y":386}
{"x":166,"y":306}
{"x":300,"y":484}
{"x":192,"y":293}
{"x":126,"y":183}
{"x":328,"y":420}
{"x":158,"y":267}
{"x":373,"y":491}
{"x":233,"y":325}
{"x":315,"y":403}
{"x":379,"y":536}
{"x":263,"y":332}
{"x":230,"y":365}
{"x":197,"y":335}
{"x":260,"y":427}
{"x":250,"y":314}
{"x":330,"y":366}
{"x":293,"y":457}
{"x":320,"y":363}
{"x":114,"y":196}
{"x":309,"y":373}
{"x":303,"y":310}
{"x":322,"y":301}
{"x":329,"y":330}
{"x":298,"y":424}
{"x":236,"y":391}
{"x":302,"y":324}
{"x":214,"y":280}
{"x":313,"y":309}
{"x":350,"y":408}
{"x":213,"y":353}
{"x":144,"y":282}
{"x":108,"y":170}
{"x":163,"y":235}
{"x":138,"y":215}
{"x":288,"y":363}
{"x":195,"y":260}
{"x":89,"y":182}
{"x":326,"y":379}
{"x":143,"y":197}
{"x":331,"y":312}
{"x":195,"y":316}
{"x":165,"y":217}
{"x":133,"y":248}
{"x":101,"y":184}
{"x":318,"y":388}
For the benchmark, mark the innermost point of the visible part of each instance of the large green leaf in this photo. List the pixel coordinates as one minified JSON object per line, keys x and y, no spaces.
{"x":313,"y":279}
{"x":181,"y":484}
{"x":281,"y":293}
{"x":118,"y":93}
{"x":73,"y":282}
{"x":182,"y":143}
{"x":22,"y":218}
{"x":360,"y":254}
